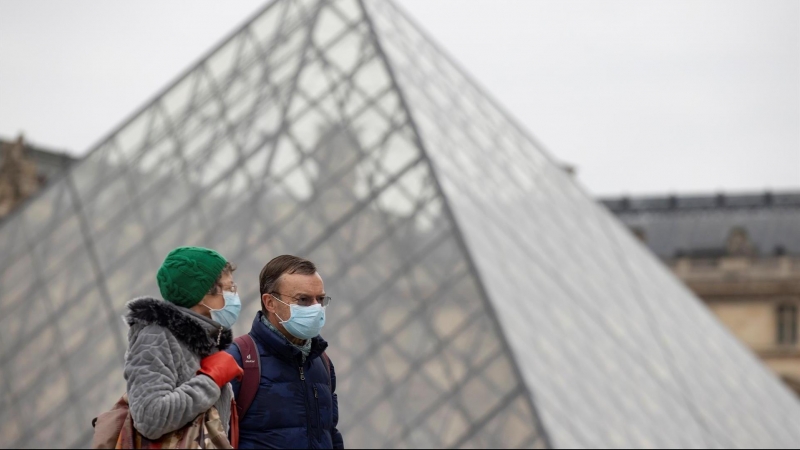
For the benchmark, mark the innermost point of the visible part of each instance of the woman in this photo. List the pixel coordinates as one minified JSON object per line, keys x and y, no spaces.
{"x":174,"y":366}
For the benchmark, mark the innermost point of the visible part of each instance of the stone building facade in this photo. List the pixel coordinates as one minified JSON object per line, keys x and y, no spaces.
{"x":24,"y":169}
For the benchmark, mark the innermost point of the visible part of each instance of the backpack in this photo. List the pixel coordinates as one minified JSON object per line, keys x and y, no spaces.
{"x":115,"y":429}
{"x":251,"y":380}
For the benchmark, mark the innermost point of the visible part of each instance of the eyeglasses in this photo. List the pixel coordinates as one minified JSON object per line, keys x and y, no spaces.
{"x":218,"y":289}
{"x":304,"y":300}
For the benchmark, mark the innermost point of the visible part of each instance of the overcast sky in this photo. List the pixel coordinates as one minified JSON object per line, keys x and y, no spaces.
{"x":644,"y":97}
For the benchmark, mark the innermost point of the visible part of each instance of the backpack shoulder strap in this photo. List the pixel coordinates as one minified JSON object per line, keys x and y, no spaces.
{"x":327,"y":362}
{"x":251,"y":363}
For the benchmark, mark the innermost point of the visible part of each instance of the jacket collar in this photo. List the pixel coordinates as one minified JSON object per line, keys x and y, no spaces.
{"x":202,"y":335}
{"x":279,"y":346}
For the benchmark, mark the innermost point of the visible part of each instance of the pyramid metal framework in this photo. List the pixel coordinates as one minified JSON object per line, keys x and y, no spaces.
{"x":481,"y":299}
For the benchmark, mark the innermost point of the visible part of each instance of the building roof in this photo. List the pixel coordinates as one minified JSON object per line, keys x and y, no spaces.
{"x":702,"y":225}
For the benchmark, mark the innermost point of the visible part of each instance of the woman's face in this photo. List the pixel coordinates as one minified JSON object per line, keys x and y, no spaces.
{"x":217,"y":301}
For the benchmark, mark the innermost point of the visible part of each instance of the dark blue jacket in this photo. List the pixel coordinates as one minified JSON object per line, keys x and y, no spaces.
{"x":296,"y":405}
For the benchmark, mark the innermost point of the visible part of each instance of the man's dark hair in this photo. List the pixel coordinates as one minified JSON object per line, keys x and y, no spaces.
{"x":269,"y":279}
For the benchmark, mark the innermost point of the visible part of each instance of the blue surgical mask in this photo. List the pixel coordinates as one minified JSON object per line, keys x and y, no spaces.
{"x":228,"y":315}
{"x":305,"y":322}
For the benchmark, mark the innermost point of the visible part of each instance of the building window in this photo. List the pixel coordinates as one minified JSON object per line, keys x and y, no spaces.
{"x":787,"y":324}
{"x":739,"y":244}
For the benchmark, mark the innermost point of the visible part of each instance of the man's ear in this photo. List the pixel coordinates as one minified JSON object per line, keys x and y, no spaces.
{"x":268,"y":303}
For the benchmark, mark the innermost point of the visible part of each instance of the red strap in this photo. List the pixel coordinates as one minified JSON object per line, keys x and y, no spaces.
{"x":327,"y":362}
{"x":251,"y":363}
{"x":234,"y":425}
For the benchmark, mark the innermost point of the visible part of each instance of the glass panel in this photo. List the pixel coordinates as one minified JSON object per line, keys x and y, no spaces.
{"x":70,"y":280}
{"x":329,"y":26}
{"x":265,"y":26}
{"x":185,"y":228}
{"x":134,"y":278}
{"x":224,"y":61}
{"x":161,"y":162}
{"x":12,"y":241}
{"x":105,"y":207}
{"x":113,"y":246}
{"x":15,"y":280}
{"x":131,"y":139}
{"x":180,"y":98}
{"x":53,"y":249}
{"x":44,"y":215}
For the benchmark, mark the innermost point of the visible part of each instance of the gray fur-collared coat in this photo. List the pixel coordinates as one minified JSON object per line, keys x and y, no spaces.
{"x":165,"y":346}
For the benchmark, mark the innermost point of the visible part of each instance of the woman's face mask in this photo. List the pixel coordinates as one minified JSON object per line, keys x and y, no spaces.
{"x":305,"y":322}
{"x":228,"y":315}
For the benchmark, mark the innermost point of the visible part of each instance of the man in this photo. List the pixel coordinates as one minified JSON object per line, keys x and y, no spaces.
{"x":295,"y":404}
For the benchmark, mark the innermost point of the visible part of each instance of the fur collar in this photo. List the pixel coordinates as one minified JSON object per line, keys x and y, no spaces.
{"x":193,"y":330}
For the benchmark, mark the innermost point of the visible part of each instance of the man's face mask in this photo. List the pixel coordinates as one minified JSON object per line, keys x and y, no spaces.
{"x":305,"y":322}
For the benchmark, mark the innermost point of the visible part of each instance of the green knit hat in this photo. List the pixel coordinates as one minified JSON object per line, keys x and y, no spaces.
{"x":188,"y":273}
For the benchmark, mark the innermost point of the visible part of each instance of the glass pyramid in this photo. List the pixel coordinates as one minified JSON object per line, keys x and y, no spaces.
{"x":481,"y":299}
